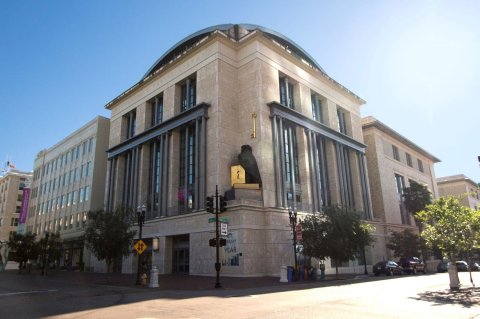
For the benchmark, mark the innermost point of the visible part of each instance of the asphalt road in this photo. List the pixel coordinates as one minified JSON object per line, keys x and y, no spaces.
{"x":420,"y":296}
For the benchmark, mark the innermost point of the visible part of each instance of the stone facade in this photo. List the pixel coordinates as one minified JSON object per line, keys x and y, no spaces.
{"x":68,"y":182}
{"x":460,"y":185}
{"x":393,"y":161}
{"x":219,"y":89}
{"x":11,"y":196}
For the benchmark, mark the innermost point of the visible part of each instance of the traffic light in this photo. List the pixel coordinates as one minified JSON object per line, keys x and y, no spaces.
{"x":209,"y":204}
{"x":222,"y":242}
{"x":212,"y":242}
{"x":222,"y":204}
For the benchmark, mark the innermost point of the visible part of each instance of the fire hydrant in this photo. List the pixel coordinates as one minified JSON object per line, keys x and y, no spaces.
{"x":144,"y":279}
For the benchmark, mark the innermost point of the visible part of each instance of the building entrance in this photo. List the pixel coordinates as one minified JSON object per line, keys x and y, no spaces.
{"x":181,"y":254}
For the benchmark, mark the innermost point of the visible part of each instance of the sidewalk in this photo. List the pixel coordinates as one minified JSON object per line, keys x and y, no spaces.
{"x":181,"y":282}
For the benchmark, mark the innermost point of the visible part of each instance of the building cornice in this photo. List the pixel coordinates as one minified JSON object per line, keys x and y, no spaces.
{"x":277,"y":109}
{"x":192,"y":43}
{"x":455,"y":178}
{"x":200,"y":110}
{"x":370,"y":121}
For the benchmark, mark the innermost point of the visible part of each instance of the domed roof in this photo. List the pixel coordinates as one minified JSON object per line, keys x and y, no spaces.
{"x":236,"y":32}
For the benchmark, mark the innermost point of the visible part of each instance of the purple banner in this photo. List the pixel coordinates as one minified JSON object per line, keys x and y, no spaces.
{"x":24,"y":208}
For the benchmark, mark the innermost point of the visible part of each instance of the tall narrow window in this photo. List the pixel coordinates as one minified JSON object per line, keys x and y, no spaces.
{"x":87,"y":193}
{"x":156,"y":159}
{"x":396,"y":154}
{"x":131,"y":121}
{"x":187,"y":167}
{"x":400,"y":183}
{"x":286,"y":93}
{"x":342,"y":123}
{"x":292,"y":172}
{"x":90,"y":144}
{"x":317,"y":108}
{"x":89,"y":169}
{"x":157,"y":110}
{"x":420,"y":165}
{"x":188,"y":94}
{"x":344,"y":169}
{"x":409,"y":159}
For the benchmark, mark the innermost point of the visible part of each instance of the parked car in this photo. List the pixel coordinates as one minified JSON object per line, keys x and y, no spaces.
{"x":388,"y":268}
{"x":475,"y":267}
{"x":442,"y":266}
{"x":412,"y":265}
{"x":462,"y":265}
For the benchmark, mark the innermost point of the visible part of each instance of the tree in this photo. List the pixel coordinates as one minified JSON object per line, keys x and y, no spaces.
{"x":405,"y":243}
{"x":336,"y":233}
{"x":108,"y":235}
{"x":365,"y":238}
{"x":416,"y":198}
{"x":453,"y":228}
{"x":51,"y":248}
{"x":23,"y":248}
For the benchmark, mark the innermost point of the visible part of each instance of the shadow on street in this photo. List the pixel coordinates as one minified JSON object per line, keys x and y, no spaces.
{"x":467,"y":297}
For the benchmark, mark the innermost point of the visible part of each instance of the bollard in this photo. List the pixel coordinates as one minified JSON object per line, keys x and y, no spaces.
{"x":143,"y":279}
{"x":283,"y":274}
{"x":153,"y":278}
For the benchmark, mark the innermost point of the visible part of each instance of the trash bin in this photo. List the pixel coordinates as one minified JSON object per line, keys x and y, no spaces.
{"x":290,"y":273}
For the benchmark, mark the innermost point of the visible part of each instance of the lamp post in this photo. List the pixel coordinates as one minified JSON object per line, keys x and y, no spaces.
{"x":217,"y":242}
{"x":292,"y":215}
{"x":141,"y":221}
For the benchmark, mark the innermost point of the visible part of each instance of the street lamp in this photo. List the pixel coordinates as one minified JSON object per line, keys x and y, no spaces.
{"x":292,"y":215}
{"x":141,"y":221}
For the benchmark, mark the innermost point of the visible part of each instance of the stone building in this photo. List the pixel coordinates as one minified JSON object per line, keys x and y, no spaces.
{"x":12,"y":186}
{"x":68,"y":182}
{"x":176,"y":134}
{"x":460,"y":185}
{"x":393,"y":162}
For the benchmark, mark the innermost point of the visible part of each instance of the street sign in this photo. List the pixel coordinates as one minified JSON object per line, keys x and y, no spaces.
{"x":223,"y":229}
{"x":220,"y":219}
{"x":140,"y":246}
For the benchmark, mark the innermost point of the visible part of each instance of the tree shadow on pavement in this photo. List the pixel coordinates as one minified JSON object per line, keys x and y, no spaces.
{"x":467,"y":297}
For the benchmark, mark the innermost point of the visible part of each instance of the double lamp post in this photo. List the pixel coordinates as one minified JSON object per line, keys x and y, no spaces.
{"x":292,"y":216}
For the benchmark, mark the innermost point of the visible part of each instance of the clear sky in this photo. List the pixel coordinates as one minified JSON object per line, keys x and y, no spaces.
{"x":416,"y":63}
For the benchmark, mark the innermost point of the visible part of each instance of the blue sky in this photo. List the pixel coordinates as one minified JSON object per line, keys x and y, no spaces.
{"x":416,"y":63}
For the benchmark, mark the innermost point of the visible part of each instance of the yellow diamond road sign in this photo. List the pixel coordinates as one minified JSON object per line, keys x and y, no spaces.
{"x":140,"y":246}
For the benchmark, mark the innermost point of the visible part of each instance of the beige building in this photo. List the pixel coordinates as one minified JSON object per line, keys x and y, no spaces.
{"x":12,"y":185}
{"x":393,"y":161}
{"x":68,"y":182}
{"x":460,"y":185}
{"x":177,"y":133}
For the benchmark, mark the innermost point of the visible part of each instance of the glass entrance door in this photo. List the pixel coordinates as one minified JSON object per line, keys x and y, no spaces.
{"x":181,"y":255}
